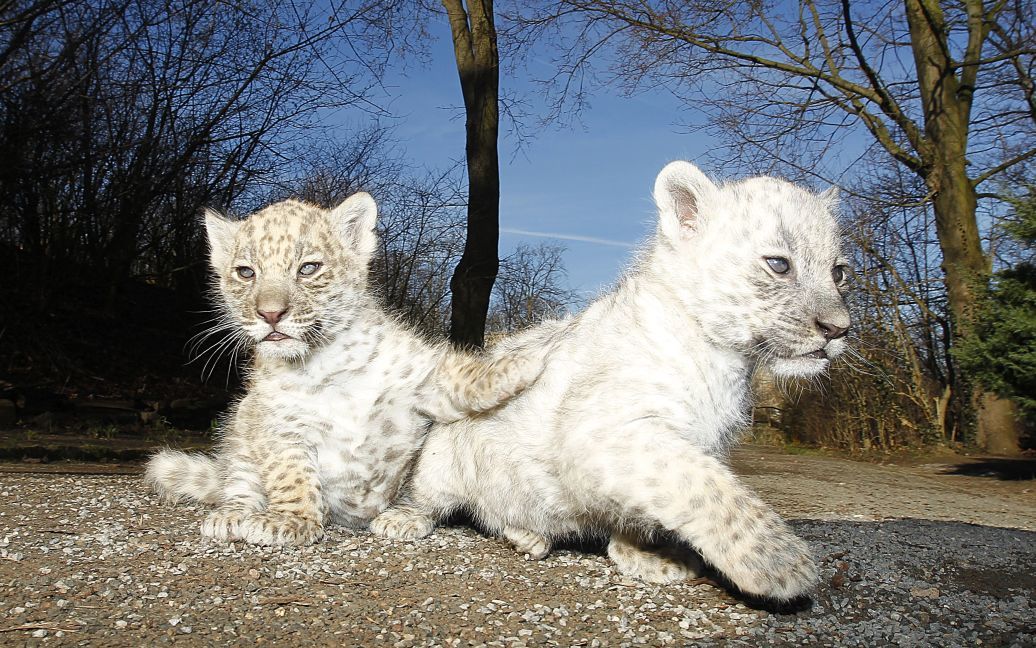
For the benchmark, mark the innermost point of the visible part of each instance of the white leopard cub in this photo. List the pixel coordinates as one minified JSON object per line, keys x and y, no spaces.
{"x":339,"y":393}
{"x":626,"y":429}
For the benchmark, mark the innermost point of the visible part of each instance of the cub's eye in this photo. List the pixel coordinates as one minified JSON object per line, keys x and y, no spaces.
{"x":309,"y":268}
{"x":839,"y":272}
{"x":780,"y":265}
{"x":245,"y":272}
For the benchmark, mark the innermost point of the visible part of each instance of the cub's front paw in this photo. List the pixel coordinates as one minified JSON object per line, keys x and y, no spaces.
{"x":782,"y":568}
{"x":224,"y":524}
{"x":530,"y":543}
{"x":402,"y":524}
{"x":269,"y":528}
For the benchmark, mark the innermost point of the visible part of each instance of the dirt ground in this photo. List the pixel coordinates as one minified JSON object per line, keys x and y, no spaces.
{"x":936,"y":553}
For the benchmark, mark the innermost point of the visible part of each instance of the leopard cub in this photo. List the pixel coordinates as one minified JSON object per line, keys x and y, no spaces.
{"x":340,"y":394}
{"x":626,"y":431}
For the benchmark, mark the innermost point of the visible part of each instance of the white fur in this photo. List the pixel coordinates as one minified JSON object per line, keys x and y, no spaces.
{"x":624,"y":431}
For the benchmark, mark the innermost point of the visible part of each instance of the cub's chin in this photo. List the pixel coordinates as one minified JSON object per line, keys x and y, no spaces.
{"x":287,"y":348}
{"x":799,"y":366}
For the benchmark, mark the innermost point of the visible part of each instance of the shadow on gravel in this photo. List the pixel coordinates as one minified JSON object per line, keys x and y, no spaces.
{"x":667,"y":545}
{"x":1002,"y":469}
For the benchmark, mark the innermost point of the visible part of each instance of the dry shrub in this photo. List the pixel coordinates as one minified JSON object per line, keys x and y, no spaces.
{"x":874,"y":400}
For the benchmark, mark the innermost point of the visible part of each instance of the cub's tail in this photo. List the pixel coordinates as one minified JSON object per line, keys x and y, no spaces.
{"x":469,"y":383}
{"x":177,"y":475}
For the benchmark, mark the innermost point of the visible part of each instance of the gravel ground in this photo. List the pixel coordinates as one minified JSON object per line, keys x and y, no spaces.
{"x":96,"y":560}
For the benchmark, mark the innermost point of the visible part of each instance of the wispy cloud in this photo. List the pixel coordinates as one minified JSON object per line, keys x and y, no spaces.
{"x":566,"y":237}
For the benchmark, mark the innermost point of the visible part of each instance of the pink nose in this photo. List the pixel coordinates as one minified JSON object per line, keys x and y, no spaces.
{"x":272,"y":317}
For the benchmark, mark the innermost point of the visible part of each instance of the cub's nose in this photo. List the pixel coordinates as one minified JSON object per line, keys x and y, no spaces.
{"x":272,"y":317}
{"x":831,"y":331}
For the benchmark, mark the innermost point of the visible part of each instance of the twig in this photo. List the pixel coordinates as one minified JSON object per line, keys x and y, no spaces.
{"x":40,"y":626}
{"x":283,"y":600}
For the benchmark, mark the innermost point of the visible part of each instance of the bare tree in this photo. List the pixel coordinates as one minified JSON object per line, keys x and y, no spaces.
{"x":945,"y":89}
{"x":420,"y":221}
{"x":121,"y":118}
{"x":478,"y":63}
{"x":531,"y":287}
{"x":422,"y":237}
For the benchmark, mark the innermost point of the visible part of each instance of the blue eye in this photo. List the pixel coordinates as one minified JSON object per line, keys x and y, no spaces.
{"x":245,"y":272}
{"x":309,"y":268}
{"x":780,"y":265}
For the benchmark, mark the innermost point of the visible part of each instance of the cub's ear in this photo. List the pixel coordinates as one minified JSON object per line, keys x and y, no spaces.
{"x":220,"y":231}
{"x":355,"y":219}
{"x":681,"y":190}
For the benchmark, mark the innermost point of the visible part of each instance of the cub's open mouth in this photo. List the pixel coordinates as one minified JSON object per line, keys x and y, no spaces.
{"x":276,"y":336}
{"x":819,"y":354}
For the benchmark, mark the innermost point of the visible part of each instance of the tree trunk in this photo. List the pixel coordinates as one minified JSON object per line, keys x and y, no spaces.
{"x":946,"y":102}
{"x":966,"y":269}
{"x":997,"y":423}
{"x":474,"y":45}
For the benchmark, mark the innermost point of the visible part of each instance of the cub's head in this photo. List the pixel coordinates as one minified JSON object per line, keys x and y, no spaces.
{"x":289,"y":273}
{"x":759,"y":264}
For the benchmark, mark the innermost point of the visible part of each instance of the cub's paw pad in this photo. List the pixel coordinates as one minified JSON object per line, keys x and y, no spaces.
{"x":402,"y":524}
{"x":280,"y":529}
{"x":654,"y":565}
{"x":533,"y":545}
{"x":224,"y":525}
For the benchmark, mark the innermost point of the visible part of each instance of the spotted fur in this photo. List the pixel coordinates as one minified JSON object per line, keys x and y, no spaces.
{"x":340,"y":393}
{"x":626,"y":431}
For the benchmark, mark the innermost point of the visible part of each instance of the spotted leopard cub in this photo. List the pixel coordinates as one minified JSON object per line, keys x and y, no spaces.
{"x":626,"y":430}
{"x":340,"y":393}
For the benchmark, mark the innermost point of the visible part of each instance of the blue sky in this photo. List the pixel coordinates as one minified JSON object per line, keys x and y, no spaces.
{"x":586,"y":186}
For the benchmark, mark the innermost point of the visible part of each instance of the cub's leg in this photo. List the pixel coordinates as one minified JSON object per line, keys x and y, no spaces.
{"x":530,"y":543}
{"x":429,"y":494}
{"x":294,"y":510}
{"x":651,"y":564}
{"x":408,"y":522}
{"x":669,"y":482}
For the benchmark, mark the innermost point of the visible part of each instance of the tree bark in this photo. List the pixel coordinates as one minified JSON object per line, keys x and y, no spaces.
{"x":478,"y":64}
{"x":946,"y":101}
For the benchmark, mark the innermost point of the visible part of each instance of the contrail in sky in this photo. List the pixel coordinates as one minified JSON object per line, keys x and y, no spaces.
{"x":566,"y":237}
